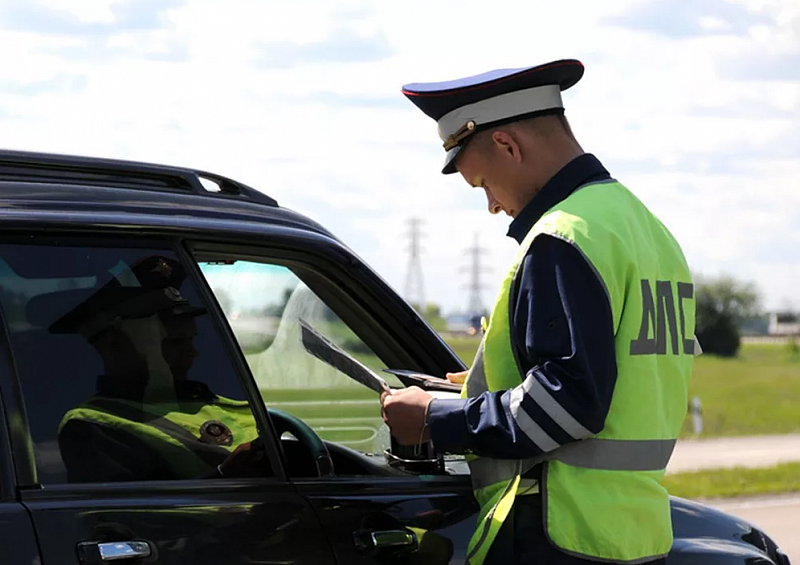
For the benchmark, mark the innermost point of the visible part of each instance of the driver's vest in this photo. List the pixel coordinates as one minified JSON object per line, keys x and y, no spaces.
{"x":186,"y":434}
{"x":602,"y":496}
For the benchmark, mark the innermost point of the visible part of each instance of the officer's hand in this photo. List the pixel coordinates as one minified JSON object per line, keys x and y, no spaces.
{"x":458,"y":378}
{"x":248,"y":460}
{"x":404,"y":413}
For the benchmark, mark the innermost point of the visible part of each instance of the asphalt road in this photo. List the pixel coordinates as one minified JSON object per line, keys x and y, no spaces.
{"x":756,"y":451}
{"x":778,"y":516}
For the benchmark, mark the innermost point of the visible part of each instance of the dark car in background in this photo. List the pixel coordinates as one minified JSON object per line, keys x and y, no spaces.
{"x":332,"y":487}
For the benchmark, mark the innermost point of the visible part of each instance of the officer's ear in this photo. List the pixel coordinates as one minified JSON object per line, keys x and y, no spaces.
{"x":507,"y":144}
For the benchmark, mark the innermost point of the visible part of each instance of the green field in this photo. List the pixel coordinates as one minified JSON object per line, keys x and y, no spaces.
{"x":756,"y":393}
{"x":464,"y":347}
{"x":721,"y":483}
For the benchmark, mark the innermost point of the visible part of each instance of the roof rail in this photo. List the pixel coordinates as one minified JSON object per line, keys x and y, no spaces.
{"x":28,"y":166}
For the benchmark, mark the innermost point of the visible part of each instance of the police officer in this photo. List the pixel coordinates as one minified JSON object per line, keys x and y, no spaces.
{"x":576,"y":396}
{"x":148,"y":421}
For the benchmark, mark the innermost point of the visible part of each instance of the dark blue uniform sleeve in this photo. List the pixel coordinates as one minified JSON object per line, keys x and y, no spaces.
{"x":563,"y":331}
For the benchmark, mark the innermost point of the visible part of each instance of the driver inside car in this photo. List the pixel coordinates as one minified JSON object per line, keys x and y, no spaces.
{"x":147,"y":420}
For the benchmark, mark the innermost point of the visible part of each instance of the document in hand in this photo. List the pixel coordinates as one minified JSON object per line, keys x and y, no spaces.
{"x":328,"y":352}
{"x":427,"y":382}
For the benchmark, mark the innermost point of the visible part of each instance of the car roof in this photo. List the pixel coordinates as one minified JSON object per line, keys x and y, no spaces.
{"x":36,"y":182}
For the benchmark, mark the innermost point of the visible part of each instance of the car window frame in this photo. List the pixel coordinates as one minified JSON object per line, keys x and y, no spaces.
{"x":23,"y":463}
{"x":400,"y":329}
{"x":332,"y":264}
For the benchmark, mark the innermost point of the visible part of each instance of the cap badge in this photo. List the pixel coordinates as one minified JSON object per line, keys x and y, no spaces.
{"x":462,"y":133}
{"x":162,"y":268}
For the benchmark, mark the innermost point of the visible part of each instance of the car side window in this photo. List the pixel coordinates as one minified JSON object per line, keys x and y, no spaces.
{"x":124,"y":376}
{"x":265,"y":305}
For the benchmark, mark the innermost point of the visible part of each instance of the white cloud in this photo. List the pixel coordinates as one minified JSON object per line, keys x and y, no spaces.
{"x":672,"y":114}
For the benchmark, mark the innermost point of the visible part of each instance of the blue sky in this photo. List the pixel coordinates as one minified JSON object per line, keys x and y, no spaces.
{"x":694,"y":105}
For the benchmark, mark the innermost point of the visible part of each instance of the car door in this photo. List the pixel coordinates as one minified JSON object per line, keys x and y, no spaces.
{"x":102,"y":493}
{"x":17,"y":537}
{"x":385,"y":503}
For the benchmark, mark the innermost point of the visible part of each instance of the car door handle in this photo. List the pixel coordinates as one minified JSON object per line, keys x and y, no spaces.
{"x":95,"y":552}
{"x":371,"y":541}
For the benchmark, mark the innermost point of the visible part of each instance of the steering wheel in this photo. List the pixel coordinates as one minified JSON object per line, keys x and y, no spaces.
{"x":285,"y":422}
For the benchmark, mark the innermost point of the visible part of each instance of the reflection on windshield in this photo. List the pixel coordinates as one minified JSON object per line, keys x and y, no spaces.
{"x":264,"y":305}
{"x":286,"y":363}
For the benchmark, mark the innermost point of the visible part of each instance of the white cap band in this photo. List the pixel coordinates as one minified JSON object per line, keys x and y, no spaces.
{"x":501,"y":107}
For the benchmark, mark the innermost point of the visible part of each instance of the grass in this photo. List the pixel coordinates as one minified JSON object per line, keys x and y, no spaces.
{"x":756,"y":393}
{"x":721,"y":483}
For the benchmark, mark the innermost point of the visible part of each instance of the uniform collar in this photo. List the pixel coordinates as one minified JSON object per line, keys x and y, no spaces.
{"x":581,"y":170}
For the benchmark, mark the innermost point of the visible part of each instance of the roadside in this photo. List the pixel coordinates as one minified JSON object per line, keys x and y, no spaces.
{"x":779,"y":516}
{"x":749,"y":451}
{"x":728,"y":467}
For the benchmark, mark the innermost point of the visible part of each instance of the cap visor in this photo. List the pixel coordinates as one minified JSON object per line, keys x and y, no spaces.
{"x":450,"y":161}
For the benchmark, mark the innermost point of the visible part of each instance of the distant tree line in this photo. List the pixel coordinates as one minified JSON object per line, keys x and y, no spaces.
{"x":723,"y":305}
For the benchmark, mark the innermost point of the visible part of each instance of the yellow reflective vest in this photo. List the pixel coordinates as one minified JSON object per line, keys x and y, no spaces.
{"x":602,"y":495}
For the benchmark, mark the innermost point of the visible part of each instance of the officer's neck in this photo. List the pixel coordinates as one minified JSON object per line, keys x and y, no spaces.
{"x":544,"y":169}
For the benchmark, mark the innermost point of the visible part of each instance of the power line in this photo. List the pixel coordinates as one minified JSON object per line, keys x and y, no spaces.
{"x":414,"y":288}
{"x":475,"y":270}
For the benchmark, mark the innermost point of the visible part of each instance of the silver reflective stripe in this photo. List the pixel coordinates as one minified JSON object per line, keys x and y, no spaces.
{"x":486,"y":471}
{"x":527,"y":486}
{"x":592,"y":453}
{"x":614,"y":454}
{"x":476,"y":378}
{"x":550,"y":405}
{"x":534,"y":432}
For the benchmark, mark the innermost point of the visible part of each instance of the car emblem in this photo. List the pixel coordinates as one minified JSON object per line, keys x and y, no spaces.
{"x":216,"y":432}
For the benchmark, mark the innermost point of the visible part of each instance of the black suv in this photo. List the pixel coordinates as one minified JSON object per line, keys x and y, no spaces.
{"x":92,"y":253}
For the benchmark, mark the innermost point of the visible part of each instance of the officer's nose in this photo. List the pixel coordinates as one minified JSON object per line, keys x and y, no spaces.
{"x":493,"y":205}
